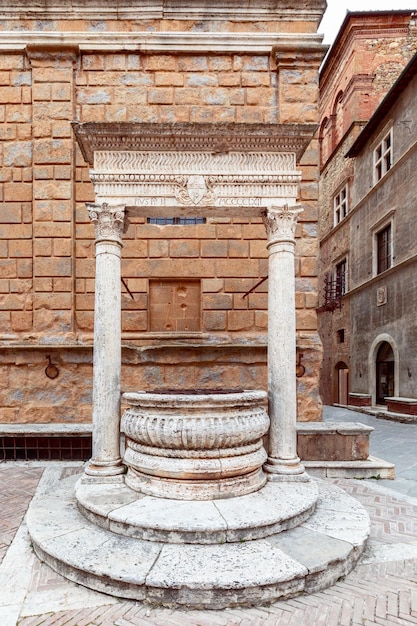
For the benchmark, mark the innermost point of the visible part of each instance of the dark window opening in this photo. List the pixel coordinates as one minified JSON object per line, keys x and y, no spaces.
{"x":384,"y":249}
{"x":341,"y":336}
{"x":170,"y":221}
{"x":341,"y":278}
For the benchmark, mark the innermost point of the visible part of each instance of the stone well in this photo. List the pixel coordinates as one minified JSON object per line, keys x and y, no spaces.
{"x":195,"y":445}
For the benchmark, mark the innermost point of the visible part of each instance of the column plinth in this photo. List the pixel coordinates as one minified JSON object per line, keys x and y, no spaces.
{"x":106,"y":460}
{"x":283,"y":462}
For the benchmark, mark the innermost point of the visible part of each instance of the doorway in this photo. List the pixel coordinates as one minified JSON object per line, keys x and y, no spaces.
{"x":385,"y":373}
{"x":342,"y":383}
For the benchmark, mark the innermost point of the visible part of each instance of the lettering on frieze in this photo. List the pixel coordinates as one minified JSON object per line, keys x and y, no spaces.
{"x":150,"y":201}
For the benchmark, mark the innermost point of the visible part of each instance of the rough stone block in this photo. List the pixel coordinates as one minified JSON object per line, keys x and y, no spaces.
{"x":240,"y":320}
{"x":214,"y":320}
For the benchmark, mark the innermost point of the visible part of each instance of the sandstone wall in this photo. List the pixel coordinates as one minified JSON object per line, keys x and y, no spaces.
{"x":47,"y":242}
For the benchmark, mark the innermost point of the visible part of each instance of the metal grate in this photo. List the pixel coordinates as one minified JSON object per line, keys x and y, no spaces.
{"x":45,"y":448}
{"x":334,"y":289}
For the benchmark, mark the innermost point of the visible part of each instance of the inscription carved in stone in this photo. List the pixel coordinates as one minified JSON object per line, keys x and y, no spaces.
{"x":229,"y":181}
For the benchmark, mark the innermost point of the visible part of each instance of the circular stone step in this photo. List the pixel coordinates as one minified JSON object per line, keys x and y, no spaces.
{"x":303,"y":559}
{"x":276,"y":507}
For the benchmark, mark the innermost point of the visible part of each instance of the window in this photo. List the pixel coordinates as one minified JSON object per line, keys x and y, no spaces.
{"x":165,"y":221}
{"x":340,"y":204}
{"x":341,"y":336}
{"x":341,"y":277}
{"x":383,"y":157}
{"x":383,"y":245}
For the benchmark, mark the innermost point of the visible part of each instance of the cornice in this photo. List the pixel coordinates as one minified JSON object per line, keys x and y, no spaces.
{"x":303,"y":53}
{"x":195,"y":42}
{"x":229,"y":10}
{"x":350,"y":32}
{"x":186,"y":137}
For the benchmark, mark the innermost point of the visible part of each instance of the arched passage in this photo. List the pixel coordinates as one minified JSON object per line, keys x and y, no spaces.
{"x":383,"y":369}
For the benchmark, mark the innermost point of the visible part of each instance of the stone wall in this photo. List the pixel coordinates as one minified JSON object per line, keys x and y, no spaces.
{"x":85,"y":65}
{"x":369,"y":53}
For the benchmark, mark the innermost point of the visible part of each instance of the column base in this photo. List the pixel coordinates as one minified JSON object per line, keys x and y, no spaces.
{"x":109,"y":471}
{"x":285,"y":470}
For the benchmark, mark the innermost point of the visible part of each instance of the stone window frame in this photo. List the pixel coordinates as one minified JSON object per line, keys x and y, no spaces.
{"x":341,"y":204}
{"x":385,"y":223}
{"x":383,"y":154}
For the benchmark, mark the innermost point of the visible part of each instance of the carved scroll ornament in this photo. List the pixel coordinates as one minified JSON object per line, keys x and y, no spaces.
{"x":109,"y":221}
{"x":281,"y":222}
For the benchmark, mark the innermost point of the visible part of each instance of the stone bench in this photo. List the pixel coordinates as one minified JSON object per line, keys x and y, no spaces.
{"x":328,"y":441}
{"x":359,"y":399}
{"x":407,"y":406}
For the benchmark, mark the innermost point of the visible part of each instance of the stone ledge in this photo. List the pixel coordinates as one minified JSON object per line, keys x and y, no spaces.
{"x":371,"y":468}
{"x":195,"y":42}
{"x":382,"y":413}
{"x":328,"y":428}
{"x":359,"y":399}
{"x":44,"y":430}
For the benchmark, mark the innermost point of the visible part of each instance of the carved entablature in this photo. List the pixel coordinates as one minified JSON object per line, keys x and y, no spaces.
{"x":197,"y":181}
{"x":207,"y":170}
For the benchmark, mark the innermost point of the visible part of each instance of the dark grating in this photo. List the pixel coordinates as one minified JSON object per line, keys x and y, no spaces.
{"x":46,"y":448}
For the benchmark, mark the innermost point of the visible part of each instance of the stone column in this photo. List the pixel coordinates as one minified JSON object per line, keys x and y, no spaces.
{"x":106,"y":460}
{"x":283,"y":462}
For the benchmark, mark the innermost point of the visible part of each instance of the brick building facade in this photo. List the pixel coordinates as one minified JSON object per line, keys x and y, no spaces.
{"x":369,"y":53}
{"x":194,"y":314}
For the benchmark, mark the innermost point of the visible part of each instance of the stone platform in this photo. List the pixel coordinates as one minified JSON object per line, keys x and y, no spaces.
{"x":232,"y":570}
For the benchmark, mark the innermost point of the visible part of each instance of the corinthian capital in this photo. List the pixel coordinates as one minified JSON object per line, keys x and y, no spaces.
{"x":109,"y":221}
{"x":280,"y":222}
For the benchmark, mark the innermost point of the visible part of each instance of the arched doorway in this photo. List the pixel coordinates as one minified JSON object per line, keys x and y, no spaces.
{"x":342,"y":383}
{"x":385,"y":372}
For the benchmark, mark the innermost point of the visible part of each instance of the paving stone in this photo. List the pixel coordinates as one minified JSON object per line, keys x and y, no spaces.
{"x":388,"y":568}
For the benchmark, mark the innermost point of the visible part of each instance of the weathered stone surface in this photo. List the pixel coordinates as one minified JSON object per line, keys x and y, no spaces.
{"x":195,"y":445}
{"x":213,"y":575}
{"x":272,"y":509}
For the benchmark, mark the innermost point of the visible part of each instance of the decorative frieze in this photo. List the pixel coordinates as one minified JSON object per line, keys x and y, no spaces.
{"x":195,"y":179}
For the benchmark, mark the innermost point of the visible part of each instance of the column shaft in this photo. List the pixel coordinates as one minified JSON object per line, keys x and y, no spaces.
{"x":106,"y":460}
{"x":283,"y":462}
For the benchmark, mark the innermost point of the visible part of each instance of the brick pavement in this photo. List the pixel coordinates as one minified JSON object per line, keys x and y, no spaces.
{"x":382,"y":590}
{"x":16,"y":490}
